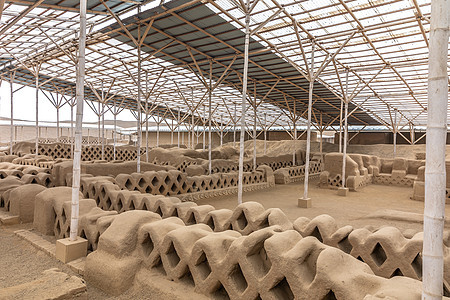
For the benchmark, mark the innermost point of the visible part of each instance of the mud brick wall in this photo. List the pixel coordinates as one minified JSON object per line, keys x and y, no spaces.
{"x":89,"y":153}
{"x":297,"y":173}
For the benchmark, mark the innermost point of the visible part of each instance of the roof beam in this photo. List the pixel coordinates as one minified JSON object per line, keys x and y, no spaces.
{"x":20,"y":16}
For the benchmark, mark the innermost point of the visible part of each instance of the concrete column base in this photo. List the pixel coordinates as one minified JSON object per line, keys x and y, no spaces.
{"x":67,"y":250}
{"x":342,"y":191}
{"x":304,"y":203}
{"x":10,"y":220}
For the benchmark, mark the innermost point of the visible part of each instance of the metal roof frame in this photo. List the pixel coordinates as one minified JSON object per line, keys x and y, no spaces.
{"x":382,"y":44}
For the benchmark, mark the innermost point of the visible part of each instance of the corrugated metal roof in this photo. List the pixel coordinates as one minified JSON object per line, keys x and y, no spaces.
{"x":212,"y":37}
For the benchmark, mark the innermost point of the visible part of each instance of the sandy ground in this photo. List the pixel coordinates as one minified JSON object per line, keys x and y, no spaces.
{"x":350,"y":210}
{"x":20,"y":262}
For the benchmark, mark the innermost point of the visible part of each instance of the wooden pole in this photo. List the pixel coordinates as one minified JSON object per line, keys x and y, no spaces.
{"x":221,"y":131}
{"x":12,"y":114}
{"x":79,"y":120}
{"x":244,"y":100}
{"x":115,"y":130}
{"x":308,"y":124}
{"x":340,"y":126}
{"x":204,"y":128}
{"x":37,"y":111}
{"x":193,"y":127}
{"x":71,"y":130}
{"x":295,"y":139}
{"x":344,"y":141}
{"x":139,"y":131}
{"x":435,"y":177}
{"x":265,"y":133}
{"x":171,"y":132}
{"x":321,"y":135}
{"x":157,"y":132}
{"x":235,"y":122}
{"x":178,"y":127}
{"x":209,"y":118}
{"x":254,"y":126}
{"x":103,"y":122}
{"x":395,"y":132}
{"x":146,"y":118}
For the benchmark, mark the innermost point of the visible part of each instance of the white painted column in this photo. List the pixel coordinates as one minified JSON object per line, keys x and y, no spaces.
{"x":11,"y":142}
{"x":265,"y":133}
{"x":79,"y":126}
{"x":395,"y":132}
{"x":340,"y":126}
{"x":157,"y":132}
{"x":209,"y":119}
{"x":204,"y":130}
{"x":435,"y":177}
{"x":115,"y":131}
{"x":344,"y":141}
{"x":103,"y":131}
{"x":37,"y":112}
{"x":308,"y":124}
{"x":254,"y":132}
{"x":71,"y":130}
{"x":235,"y":122}
{"x":295,"y":141}
{"x":244,"y":100}
{"x":221,"y":131}
{"x":178,"y":127}
{"x":139,"y":130}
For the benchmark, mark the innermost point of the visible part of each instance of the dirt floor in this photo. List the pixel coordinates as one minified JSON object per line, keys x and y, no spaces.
{"x":374,"y":205}
{"x":20,"y":262}
{"x":351,"y":210}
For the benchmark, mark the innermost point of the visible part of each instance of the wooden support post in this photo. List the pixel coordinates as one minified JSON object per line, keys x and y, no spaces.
{"x":235,"y":123}
{"x":79,"y":127}
{"x":209,"y":119}
{"x":139,"y":131}
{"x":435,"y":177}
{"x":115,"y":130}
{"x":157,"y":131}
{"x":265,"y":133}
{"x":344,"y":141}
{"x":395,"y":133}
{"x":254,"y":126}
{"x":37,"y":110}
{"x":308,"y":126}
{"x":244,"y":100}
{"x":340,"y":126}
{"x":204,"y":129}
{"x":178,"y":128}
{"x":322,"y":128}
{"x":11,"y":142}
{"x":71,"y":129}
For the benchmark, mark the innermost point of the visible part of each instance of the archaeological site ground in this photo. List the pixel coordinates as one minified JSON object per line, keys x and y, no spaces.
{"x":222,"y":149}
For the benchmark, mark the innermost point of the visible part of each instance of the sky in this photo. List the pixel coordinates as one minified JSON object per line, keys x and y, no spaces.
{"x":25,"y":103}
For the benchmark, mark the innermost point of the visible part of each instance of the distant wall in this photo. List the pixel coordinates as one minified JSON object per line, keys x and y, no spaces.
{"x":28,"y":133}
{"x":371,"y":138}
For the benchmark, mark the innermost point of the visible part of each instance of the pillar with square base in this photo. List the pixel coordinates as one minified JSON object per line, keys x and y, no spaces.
{"x":343,"y":191}
{"x":304,"y":203}
{"x":67,"y":250}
